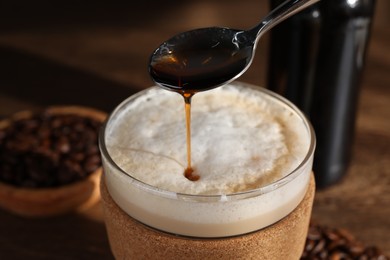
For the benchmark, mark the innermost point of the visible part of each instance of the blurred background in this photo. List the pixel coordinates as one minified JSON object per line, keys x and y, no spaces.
{"x":96,"y":53}
{"x":82,"y":42}
{"x":113,"y":41}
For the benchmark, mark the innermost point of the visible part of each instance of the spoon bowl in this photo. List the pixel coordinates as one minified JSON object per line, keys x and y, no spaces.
{"x":207,"y":58}
{"x":183,"y":63}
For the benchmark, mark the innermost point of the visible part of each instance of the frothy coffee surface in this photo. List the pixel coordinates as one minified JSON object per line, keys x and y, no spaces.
{"x":241,"y":139}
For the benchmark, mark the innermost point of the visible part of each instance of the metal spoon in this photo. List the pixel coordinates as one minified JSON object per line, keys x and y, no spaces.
{"x":206,"y":58}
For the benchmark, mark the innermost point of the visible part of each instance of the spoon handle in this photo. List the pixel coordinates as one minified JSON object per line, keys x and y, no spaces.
{"x":279,"y":14}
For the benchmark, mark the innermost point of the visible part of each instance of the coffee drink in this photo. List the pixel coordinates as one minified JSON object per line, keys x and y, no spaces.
{"x":251,"y":149}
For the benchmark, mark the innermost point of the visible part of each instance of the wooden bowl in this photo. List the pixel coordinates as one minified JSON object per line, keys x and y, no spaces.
{"x":43,"y":202}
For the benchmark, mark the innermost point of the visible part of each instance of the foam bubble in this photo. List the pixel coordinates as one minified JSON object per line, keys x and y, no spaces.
{"x":241,"y":139}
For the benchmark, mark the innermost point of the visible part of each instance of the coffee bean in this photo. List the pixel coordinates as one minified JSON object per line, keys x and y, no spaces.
{"x":329,"y":243}
{"x":56,"y":123}
{"x":78,"y":156}
{"x":313,"y":234}
{"x":338,"y":256}
{"x":345,"y":234}
{"x":63,"y":145}
{"x":319,"y":247}
{"x":92,"y":163}
{"x":310,"y":245}
{"x":48,"y":150}
{"x":332,"y":235}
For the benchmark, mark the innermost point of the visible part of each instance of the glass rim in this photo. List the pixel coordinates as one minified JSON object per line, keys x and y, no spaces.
{"x":215,"y":197}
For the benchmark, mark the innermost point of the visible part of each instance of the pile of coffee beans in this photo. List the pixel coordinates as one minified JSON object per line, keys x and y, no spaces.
{"x":48,"y":150}
{"x":336,"y":244}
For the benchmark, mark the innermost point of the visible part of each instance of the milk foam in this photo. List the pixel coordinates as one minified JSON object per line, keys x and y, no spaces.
{"x":241,"y":139}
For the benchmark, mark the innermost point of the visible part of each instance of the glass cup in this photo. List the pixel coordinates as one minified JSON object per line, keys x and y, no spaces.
{"x":267,"y":222}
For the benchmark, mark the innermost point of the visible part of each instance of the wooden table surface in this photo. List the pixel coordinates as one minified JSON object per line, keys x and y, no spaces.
{"x":95,"y":54}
